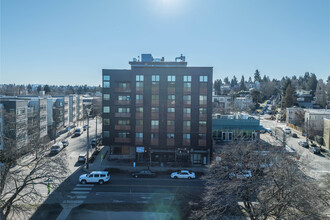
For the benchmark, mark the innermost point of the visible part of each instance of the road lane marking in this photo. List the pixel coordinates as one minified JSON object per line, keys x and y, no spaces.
{"x":82,"y":188}
{"x":156,"y":186}
{"x":76,"y":192}
{"x":85,"y":185}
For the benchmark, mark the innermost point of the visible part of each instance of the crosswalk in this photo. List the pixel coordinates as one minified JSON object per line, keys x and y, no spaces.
{"x":79,"y":193}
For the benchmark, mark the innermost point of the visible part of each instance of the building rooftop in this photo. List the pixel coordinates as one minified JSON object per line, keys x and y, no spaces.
{"x":147,"y":60}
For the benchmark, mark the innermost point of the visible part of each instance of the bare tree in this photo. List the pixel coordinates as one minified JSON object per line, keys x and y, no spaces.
{"x":259,"y":182}
{"x":22,"y":177}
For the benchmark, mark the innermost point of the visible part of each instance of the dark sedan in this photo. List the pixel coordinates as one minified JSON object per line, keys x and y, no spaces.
{"x":144,"y":174}
{"x":65,"y":143}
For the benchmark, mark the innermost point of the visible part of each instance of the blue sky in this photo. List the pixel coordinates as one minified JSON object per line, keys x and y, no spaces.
{"x":70,"y":41}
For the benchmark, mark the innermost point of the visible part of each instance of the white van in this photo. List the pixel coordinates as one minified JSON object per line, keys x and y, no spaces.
{"x":78,"y":131}
{"x":95,"y":177}
{"x":56,"y":147}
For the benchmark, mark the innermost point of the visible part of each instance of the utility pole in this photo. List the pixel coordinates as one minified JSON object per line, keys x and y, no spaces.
{"x":87,"y":159}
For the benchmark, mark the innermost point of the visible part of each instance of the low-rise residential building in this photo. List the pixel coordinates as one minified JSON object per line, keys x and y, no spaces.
{"x":243,"y":103}
{"x":62,"y":104}
{"x":80,"y":108}
{"x":314,"y":119}
{"x":72,"y":109}
{"x":326,"y":132}
{"x":226,"y":128}
{"x":295,"y":116}
{"x":304,"y":99}
{"x":221,"y":103}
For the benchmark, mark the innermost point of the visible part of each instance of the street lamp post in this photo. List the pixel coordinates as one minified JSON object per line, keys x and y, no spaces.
{"x":87,"y":159}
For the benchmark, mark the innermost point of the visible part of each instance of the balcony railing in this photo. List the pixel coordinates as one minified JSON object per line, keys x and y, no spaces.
{"x":186,"y":129}
{"x":170,"y":142}
{"x":154,"y":141}
{"x":171,"y":90}
{"x":170,"y":116}
{"x":170,"y":102}
{"x":122,"y":102}
{"x":154,"y":128}
{"x":187,"y":90}
{"x":139,"y":102}
{"x":201,"y":142}
{"x":202,"y":102}
{"x":186,"y":116}
{"x":170,"y":129}
{"x":186,"y":142}
{"x":155,"y":102}
{"x":138,"y":141}
{"x":139,"y":115}
{"x":139,"y":128}
{"x":154,"y":115}
{"x":139,"y":89}
{"x":122,"y":140}
{"x":122,"y":127}
{"x":122,"y":114}
{"x":187,"y":102}
{"x":202,"y":129}
{"x":155,"y":90}
{"x":122,"y":89}
{"x":203,"y":91}
{"x":202,"y":116}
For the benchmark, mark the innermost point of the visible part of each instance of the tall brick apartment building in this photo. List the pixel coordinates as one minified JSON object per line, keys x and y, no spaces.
{"x":158,"y":111}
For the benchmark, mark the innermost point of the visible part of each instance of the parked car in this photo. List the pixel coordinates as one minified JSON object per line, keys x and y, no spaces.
{"x":56,"y":148}
{"x":183,"y":174}
{"x":85,"y":127}
{"x":315,"y":150}
{"x":65,"y":143}
{"x":95,"y":177}
{"x":96,"y":142}
{"x":303,"y":144}
{"x":287,"y":130}
{"x":294,"y":135}
{"x":78,"y":131}
{"x":144,"y":173}
{"x":269,"y":130}
{"x":82,"y":157}
{"x":243,"y":174}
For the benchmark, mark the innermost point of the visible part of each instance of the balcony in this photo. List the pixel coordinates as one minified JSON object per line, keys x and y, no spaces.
{"x":139,"y":102}
{"x":202,"y":102}
{"x":187,"y":90}
{"x":170,"y":116}
{"x":203,"y":91}
{"x":154,"y":141}
{"x":186,"y":116}
{"x":170,"y":142}
{"x":203,"y":117}
{"x":139,"y":128}
{"x":202,"y":129}
{"x":139,"y":141}
{"x":122,"y":102}
{"x":171,"y":90}
{"x":122,"y":140}
{"x":123,"y":114}
{"x":154,"y":115}
{"x":139,"y":89}
{"x":170,"y":129}
{"x":170,"y":102}
{"x":187,"y":102}
{"x":155,"y":102}
{"x":186,"y":142}
{"x":154,"y":128}
{"x":122,"y":89}
{"x":123,"y":127}
{"x":139,"y":115}
{"x":186,"y":129}
{"x":201,"y":142}
{"x":154,"y":90}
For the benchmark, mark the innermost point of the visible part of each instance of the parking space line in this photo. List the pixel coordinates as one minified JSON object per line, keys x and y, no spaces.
{"x":85,"y":185}
{"x":82,"y":189}
{"x":77,"y":192}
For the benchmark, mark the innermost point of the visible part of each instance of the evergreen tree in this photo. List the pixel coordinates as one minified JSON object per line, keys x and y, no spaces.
{"x":226,"y":81}
{"x":312,"y":83}
{"x":233,"y":81}
{"x":47,"y":89}
{"x":289,"y":97}
{"x":250,"y":80}
{"x":39,"y":88}
{"x":217,"y":86}
{"x":320,"y":93}
{"x":257,"y":76}
{"x":29,"y":88}
{"x":242,"y":86}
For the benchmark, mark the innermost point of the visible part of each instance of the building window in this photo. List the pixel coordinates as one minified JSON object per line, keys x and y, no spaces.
{"x":139,"y":135}
{"x":202,"y":99}
{"x":139,"y":122}
{"x":187,"y":86}
{"x":123,"y":85}
{"x":186,"y":111}
{"x":106,"y":109}
{"x":227,"y":136}
{"x":154,"y":110}
{"x":202,"y":111}
{"x":106,"y":84}
{"x":139,"y":109}
{"x":139,"y":78}
{"x":106,"y":134}
{"x":154,"y":135}
{"x":202,"y":78}
{"x":124,"y":98}
{"x":123,"y":122}
{"x":106,"y":97}
{"x":170,"y":123}
{"x":139,"y":85}
{"x":186,"y":78}
{"x":155,"y":99}
{"x":186,"y":136}
{"x":202,"y":123}
{"x":171,"y":99}
{"x":123,"y":110}
{"x":106,"y":121}
{"x":124,"y":134}
{"x":106,"y":78}
{"x":139,"y":97}
{"x":154,"y":122}
{"x":187,"y":99}
{"x":186,"y":124}
{"x":170,"y":110}
{"x":155,"y":78}
{"x":171,"y":78}
{"x":170,"y":136}
{"x":202,"y":136}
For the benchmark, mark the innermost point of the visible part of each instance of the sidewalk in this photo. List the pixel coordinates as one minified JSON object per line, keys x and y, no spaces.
{"x":99,"y":164}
